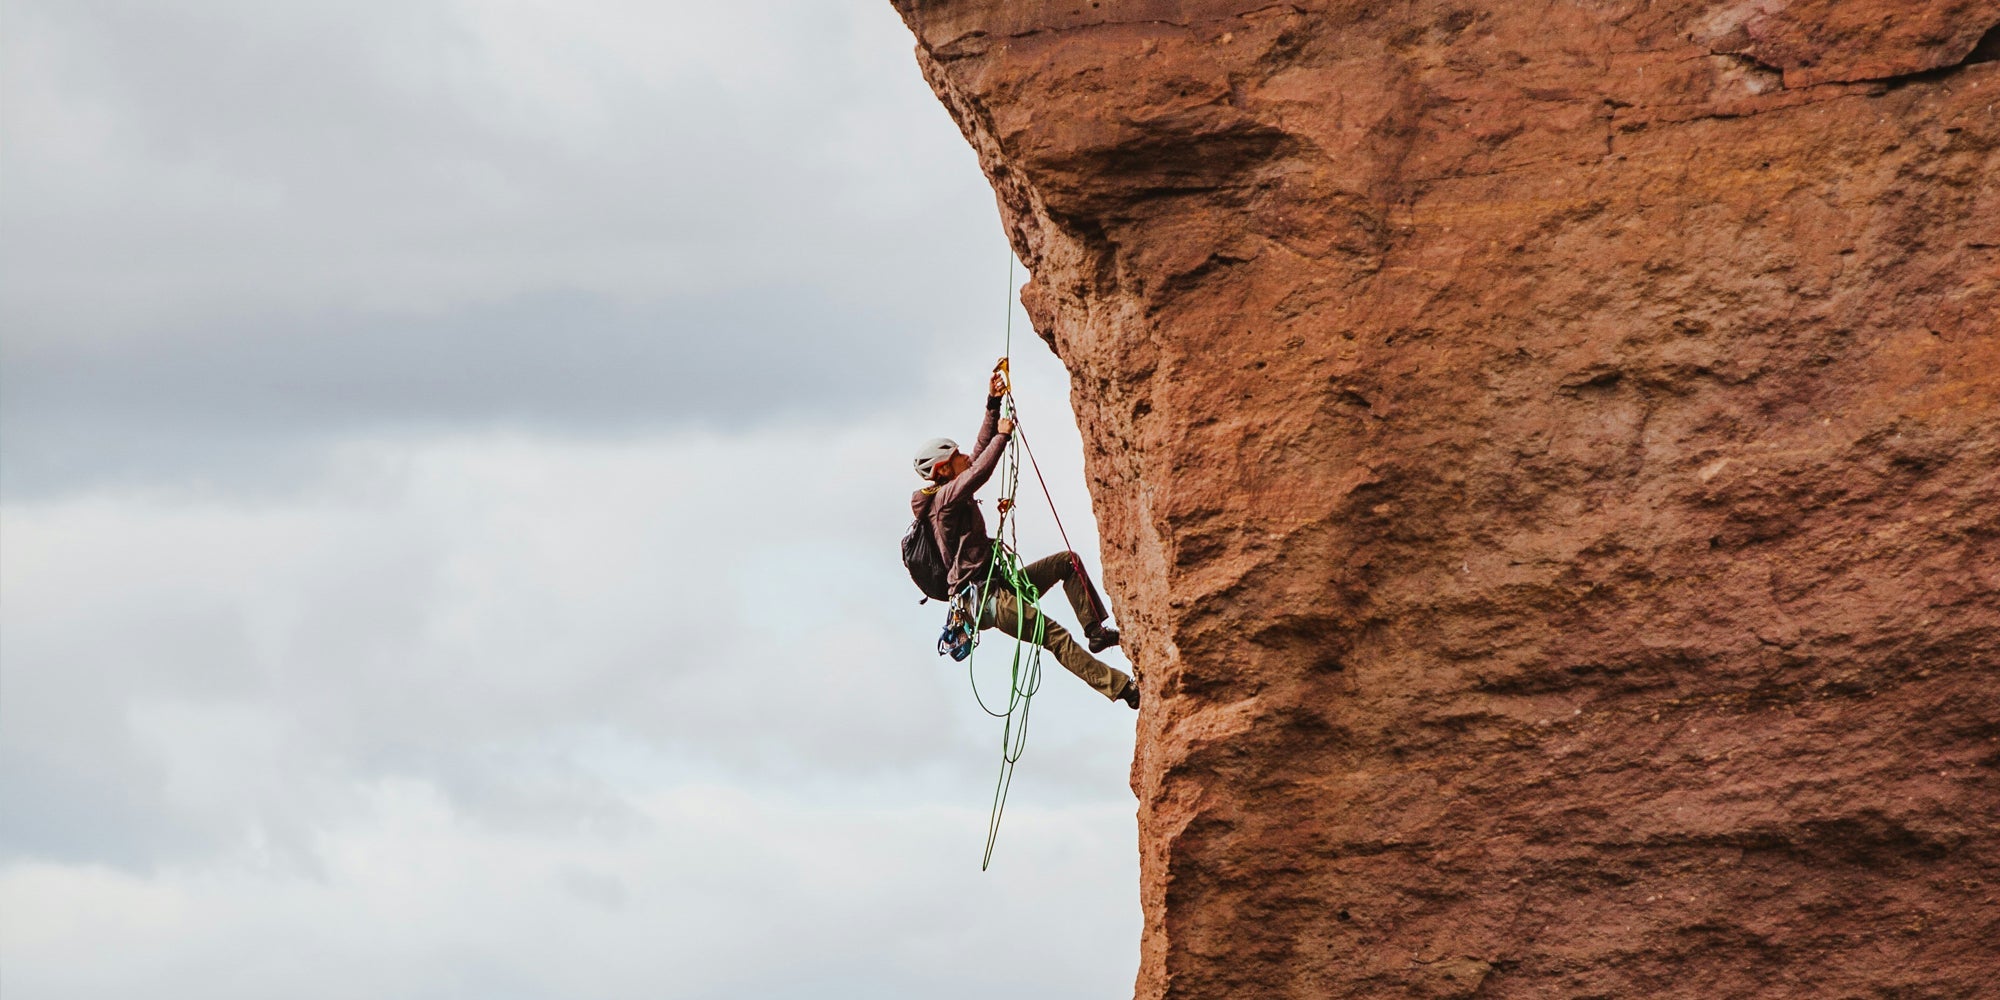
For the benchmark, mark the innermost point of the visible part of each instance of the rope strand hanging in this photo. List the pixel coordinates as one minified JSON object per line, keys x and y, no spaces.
{"x":1024,"y":672}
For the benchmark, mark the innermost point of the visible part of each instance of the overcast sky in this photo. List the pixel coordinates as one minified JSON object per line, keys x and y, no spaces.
{"x":452,"y":454}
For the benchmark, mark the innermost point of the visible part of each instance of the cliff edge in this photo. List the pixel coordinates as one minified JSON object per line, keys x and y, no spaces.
{"x":1548,"y":462}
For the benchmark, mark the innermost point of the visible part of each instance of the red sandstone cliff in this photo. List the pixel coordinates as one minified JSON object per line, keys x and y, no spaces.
{"x":1548,"y":460}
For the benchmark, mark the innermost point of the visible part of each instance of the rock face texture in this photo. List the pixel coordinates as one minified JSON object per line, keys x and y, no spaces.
{"x":1548,"y":461}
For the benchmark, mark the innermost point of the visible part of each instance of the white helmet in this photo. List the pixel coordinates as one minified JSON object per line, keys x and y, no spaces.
{"x":934,"y":451}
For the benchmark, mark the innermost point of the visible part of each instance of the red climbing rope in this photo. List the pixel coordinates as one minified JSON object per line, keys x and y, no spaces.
{"x":1074,"y":561}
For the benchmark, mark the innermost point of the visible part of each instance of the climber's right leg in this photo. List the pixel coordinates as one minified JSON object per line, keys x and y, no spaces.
{"x":1008,"y":613}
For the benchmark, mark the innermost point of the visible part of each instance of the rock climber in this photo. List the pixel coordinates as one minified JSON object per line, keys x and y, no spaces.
{"x":948,"y":506}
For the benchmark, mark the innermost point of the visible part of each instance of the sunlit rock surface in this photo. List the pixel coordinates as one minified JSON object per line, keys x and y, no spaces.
{"x":1548,"y":461}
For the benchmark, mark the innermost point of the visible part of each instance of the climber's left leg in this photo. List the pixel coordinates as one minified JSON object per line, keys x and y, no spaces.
{"x":1066,"y":568}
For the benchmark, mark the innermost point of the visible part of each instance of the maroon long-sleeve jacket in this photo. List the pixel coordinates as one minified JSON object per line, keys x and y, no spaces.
{"x":953,"y":512}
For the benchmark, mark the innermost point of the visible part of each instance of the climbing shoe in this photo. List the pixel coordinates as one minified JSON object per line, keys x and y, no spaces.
{"x":1131,"y":695}
{"x":1100,"y":638}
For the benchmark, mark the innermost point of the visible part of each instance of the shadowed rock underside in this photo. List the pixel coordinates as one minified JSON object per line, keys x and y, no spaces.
{"x":1547,"y":459}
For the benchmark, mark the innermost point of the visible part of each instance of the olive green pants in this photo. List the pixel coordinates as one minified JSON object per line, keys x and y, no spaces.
{"x":1005,"y":611}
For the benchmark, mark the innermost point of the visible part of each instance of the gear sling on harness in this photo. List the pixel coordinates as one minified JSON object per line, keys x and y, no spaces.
{"x":961,"y":625}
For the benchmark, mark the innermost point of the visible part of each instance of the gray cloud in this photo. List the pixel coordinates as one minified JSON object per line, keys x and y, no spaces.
{"x":485,"y":614}
{"x":232,"y":231}
{"x":213,"y":399}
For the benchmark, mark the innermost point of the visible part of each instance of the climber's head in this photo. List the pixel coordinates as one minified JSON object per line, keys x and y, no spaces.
{"x":939,"y":459}
{"x":952,"y":468}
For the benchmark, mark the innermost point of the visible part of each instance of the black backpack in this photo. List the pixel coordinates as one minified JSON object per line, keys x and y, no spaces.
{"x":925,"y":563}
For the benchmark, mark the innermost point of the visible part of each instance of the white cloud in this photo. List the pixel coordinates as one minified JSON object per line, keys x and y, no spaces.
{"x":454,"y":454}
{"x":720,"y":893}
{"x":525,"y":643}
